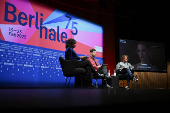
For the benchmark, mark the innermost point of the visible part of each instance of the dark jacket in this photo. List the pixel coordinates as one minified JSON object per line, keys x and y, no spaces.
{"x":71,"y":54}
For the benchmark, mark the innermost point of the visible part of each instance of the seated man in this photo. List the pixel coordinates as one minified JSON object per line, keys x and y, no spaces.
{"x":98,"y":68}
{"x":124,"y":67}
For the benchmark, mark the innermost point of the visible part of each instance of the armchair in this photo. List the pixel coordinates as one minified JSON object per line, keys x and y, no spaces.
{"x":122,"y":79}
{"x":69,"y":69}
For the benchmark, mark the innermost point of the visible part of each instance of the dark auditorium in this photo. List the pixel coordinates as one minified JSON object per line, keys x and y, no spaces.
{"x":74,"y":55}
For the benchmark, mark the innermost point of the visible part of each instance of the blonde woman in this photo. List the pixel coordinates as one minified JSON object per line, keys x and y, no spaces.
{"x":144,"y":53}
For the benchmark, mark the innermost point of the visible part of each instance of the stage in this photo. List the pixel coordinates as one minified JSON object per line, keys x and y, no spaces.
{"x":73,"y":98}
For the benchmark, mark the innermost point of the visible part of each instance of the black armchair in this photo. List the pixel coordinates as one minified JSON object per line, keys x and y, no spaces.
{"x":69,"y":69}
{"x":122,"y":78}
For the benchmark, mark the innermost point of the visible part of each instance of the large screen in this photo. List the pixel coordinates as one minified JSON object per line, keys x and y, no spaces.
{"x":144,"y":56}
{"x":33,"y":36}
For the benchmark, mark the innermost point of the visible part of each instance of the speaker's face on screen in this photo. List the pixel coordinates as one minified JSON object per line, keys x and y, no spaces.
{"x":144,"y":55}
{"x":143,"y":52}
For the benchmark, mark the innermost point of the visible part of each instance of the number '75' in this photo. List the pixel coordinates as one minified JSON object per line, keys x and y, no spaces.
{"x":73,"y":23}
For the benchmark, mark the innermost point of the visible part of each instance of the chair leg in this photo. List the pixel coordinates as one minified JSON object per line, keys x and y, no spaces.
{"x":81,"y":80}
{"x":96,"y":83}
{"x":69,"y":82}
{"x":65,"y":81}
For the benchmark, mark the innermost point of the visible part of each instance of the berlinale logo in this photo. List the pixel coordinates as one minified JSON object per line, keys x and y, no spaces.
{"x":23,"y":16}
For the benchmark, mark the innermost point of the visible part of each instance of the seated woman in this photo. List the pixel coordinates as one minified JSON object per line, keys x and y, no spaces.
{"x":71,"y":54}
{"x":124,"y":67}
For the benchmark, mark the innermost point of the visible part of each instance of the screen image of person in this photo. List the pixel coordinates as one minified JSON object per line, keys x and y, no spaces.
{"x":144,"y":56}
{"x":143,"y":51}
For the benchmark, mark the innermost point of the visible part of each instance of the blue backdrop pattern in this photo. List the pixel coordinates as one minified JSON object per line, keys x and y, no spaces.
{"x":31,"y":66}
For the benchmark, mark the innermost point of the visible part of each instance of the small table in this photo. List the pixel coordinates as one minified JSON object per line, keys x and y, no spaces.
{"x":114,"y":82}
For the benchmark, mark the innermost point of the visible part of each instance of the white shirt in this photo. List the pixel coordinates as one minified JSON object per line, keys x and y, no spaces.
{"x":124,"y":65}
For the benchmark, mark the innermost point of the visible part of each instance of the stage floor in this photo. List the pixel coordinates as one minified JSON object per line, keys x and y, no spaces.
{"x":54,"y":99}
